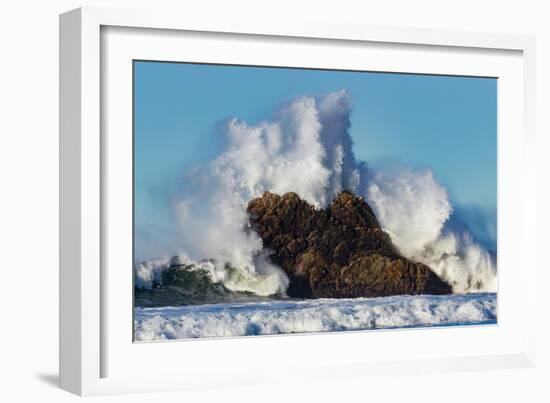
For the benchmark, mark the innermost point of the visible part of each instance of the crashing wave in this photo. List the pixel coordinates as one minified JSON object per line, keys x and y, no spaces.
{"x":415,"y":210}
{"x":307,"y":149}
{"x":205,"y":277}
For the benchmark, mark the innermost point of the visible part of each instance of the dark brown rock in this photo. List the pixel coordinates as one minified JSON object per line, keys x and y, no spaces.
{"x":340,"y":252}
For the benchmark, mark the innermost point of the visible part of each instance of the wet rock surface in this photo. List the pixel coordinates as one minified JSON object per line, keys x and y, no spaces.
{"x":338,"y":252}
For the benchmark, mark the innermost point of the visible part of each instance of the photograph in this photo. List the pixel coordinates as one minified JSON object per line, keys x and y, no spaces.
{"x":272,"y":200}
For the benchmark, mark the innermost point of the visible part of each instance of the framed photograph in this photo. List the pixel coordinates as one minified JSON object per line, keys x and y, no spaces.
{"x":244,"y":200}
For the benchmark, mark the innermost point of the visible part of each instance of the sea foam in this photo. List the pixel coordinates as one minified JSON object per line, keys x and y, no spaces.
{"x":321,"y":315}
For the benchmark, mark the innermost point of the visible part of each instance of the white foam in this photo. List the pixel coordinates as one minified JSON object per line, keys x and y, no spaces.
{"x":464,"y":264}
{"x":277,"y":317}
{"x":414,"y":209}
{"x":149,"y":273}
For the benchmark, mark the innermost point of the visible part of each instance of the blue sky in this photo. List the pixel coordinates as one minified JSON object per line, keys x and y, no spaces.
{"x":445,"y":123}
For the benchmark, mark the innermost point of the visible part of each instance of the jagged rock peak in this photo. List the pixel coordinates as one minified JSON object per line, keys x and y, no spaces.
{"x":340,"y":251}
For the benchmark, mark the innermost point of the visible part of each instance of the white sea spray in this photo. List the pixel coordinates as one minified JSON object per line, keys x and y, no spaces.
{"x":307,"y":149}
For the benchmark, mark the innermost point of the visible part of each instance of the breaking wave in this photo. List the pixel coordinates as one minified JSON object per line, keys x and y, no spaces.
{"x":201,"y":281}
{"x":322,"y":315}
{"x":307,"y":149}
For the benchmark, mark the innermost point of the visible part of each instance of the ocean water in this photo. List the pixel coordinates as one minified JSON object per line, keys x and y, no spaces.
{"x":285,"y":316}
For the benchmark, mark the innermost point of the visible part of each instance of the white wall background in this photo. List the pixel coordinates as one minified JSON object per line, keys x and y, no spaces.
{"x":29,"y":200}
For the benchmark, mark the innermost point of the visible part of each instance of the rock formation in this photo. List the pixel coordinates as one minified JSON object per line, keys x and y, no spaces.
{"x":339,"y":252}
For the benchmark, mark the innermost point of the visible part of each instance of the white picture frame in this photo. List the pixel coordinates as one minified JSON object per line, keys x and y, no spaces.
{"x":94,"y":361}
